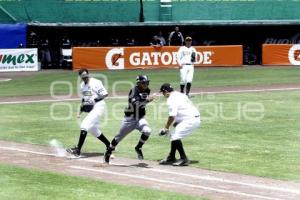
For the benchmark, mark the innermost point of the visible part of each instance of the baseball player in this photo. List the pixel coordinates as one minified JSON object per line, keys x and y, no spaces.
{"x":186,"y":56}
{"x":186,"y":119}
{"x":138,"y":98}
{"x":93,"y":94}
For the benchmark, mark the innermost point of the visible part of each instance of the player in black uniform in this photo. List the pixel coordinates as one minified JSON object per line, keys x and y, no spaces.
{"x":138,"y":98}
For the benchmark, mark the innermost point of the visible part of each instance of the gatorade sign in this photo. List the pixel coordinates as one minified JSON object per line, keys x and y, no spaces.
{"x":18,"y":60}
{"x":281,"y":54}
{"x":152,"y":57}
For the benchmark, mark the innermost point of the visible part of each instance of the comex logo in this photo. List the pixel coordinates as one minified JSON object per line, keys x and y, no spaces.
{"x":294,"y":54}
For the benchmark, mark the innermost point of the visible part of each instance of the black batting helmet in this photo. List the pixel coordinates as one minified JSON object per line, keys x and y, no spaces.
{"x":142,"y":79}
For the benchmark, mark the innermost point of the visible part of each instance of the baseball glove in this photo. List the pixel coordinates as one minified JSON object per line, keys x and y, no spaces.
{"x":86,"y":108}
{"x":163,"y":131}
{"x":193,"y":57}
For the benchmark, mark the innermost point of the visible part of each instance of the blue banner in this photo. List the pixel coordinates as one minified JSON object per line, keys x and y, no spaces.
{"x":12,"y":35}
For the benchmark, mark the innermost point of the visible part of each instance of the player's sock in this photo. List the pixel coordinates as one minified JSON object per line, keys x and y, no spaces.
{"x":181,"y":88}
{"x":103,"y":139}
{"x":181,"y":150}
{"x":112,"y":145}
{"x":142,"y":141}
{"x":82,"y":137}
{"x":173,"y":149}
{"x":188,"y":88}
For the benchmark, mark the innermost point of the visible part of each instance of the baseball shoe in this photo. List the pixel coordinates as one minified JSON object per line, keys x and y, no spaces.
{"x":189,"y":96}
{"x":167,"y":161}
{"x":107,"y":155}
{"x":139,"y":152}
{"x":181,"y":162}
{"x":75,"y":151}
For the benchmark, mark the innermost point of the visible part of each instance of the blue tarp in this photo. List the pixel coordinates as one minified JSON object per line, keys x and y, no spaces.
{"x":12,"y":35}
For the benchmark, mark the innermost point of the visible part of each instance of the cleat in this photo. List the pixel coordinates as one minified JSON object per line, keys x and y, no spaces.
{"x":74,"y":151}
{"x":167,"y":161}
{"x":181,"y":162}
{"x":107,"y":155}
{"x":139,"y":152}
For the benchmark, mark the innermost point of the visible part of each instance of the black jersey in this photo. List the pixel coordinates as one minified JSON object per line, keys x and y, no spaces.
{"x":137,"y":101}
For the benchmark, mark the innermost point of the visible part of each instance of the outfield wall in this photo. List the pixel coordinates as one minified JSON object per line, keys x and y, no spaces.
{"x":118,"y":58}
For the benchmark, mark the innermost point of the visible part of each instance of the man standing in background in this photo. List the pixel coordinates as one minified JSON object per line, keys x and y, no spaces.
{"x":175,"y":38}
{"x":186,"y":56}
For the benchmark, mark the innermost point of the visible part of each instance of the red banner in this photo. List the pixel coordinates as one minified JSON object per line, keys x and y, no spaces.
{"x":102,"y":58}
{"x":281,"y":54}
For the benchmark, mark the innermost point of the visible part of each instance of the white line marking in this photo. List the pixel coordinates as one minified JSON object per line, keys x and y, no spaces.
{"x":5,"y":79}
{"x":124,"y":97}
{"x":211,"y":178}
{"x":249,"y":90}
{"x":175,"y":183}
{"x":27,"y":151}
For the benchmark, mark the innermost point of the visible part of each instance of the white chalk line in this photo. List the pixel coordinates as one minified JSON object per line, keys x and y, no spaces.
{"x":209,"y":178}
{"x":5,"y":79}
{"x":175,"y":183}
{"x":124,"y":97}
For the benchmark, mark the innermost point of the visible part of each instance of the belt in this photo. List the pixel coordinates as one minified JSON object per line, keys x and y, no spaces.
{"x":188,"y":64}
{"x":197,"y":116}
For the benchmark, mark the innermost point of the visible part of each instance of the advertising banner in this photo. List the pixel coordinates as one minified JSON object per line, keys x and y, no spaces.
{"x":114,"y":58}
{"x":281,"y":54}
{"x":12,"y":60}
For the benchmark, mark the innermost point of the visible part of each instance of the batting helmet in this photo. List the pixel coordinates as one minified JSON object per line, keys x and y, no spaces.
{"x":142,"y":79}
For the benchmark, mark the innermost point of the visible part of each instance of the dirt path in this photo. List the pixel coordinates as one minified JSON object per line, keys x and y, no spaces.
{"x":195,"y":91}
{"x":185,"y":180}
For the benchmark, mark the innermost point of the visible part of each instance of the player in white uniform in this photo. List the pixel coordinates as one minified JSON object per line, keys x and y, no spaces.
{"x":93,"y":94}
{"x":186,"y":56}
{"x":186,"y":119}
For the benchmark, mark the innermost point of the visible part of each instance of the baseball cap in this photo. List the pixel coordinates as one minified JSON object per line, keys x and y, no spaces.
{"x":188,"y":39}
{"x":166,"y":87}
{"x":84,"y":75}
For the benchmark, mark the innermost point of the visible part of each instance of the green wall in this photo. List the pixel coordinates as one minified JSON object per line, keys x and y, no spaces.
{"x":236,"y":10}
{"x":128,"y":10}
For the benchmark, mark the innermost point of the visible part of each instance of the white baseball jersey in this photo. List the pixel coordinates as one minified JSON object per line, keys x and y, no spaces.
{"x":94,"y":89}
{"x":186,"y":115}
{"x":184,"y":55}
{"x":181,"y":107}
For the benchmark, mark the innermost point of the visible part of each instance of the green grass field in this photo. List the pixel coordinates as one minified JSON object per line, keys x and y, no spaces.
{"x":24,"y":184}
{"x":229,"y":139}
{"x":40,"y":84}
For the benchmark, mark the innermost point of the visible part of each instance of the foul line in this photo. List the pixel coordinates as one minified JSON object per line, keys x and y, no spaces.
{"x":175,"y":183}
{"x":5,"y":79}
{"x":209,"y":178}
{"x":123,"y":97}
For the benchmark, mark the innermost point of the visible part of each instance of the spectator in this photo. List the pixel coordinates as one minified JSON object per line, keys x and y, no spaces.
{"x":65,"y":52}
{"x":115,"y":41}
{"x":130,"y":42}
{"x":176,"y":38}
{"x":32,"y":40}
{"x":161,"y":37}
{"x":156,"y":42}
{"x":249,"y":57}
{"x":46,"y":60}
